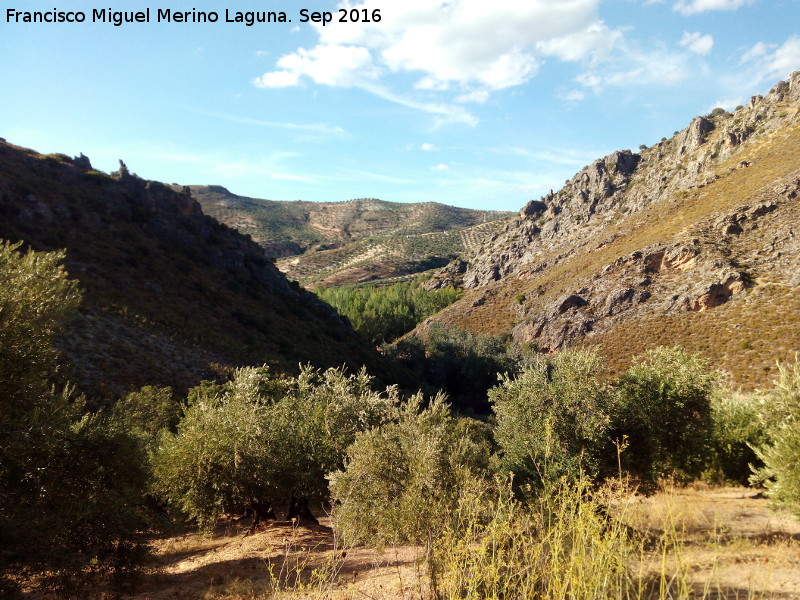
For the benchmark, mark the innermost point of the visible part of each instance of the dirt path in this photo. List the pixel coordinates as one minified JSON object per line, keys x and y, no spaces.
{"x":307,"y":559}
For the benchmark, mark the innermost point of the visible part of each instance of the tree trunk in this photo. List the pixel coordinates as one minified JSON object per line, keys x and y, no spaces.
{"x":262,"y":511}
{"x":299,"y":509}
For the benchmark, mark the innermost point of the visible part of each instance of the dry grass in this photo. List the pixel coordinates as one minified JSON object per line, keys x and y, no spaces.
{"x":728,"y":541}
{"x":698,"y":542}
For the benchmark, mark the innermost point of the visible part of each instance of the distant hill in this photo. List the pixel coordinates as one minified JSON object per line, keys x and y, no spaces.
{"x":693,"y":241}
{"x":331,"y":243}
{"x":170,"y":294}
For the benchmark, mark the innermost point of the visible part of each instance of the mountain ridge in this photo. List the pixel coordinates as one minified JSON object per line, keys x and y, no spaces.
{"x":696,"y":226}
{"x":352,"y":241}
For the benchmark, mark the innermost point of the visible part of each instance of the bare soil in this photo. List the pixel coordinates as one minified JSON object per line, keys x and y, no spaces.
{"x":732,"y":544}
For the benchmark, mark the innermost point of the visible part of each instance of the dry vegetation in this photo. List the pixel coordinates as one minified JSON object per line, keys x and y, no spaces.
{"x":722,"y":543}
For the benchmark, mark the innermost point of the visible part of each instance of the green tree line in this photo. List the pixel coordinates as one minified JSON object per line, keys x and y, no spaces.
{"x":384,"y":313}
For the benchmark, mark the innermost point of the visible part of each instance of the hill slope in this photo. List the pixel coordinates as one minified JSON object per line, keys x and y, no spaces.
{"x":693,"y":241}
{"x":330,"y":243}
{"x":170,"y":293}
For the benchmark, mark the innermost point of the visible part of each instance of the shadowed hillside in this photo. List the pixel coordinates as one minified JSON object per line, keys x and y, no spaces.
{"x":171,"y":295}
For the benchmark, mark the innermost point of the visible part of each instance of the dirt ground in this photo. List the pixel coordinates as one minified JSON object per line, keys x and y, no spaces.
{"x":731,"y":545}
{"x":282,"y":558}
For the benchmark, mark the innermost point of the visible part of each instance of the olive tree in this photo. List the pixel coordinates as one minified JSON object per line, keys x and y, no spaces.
{"x":663,"y":414}
{"x":553,"y":418}
{"x":264,"y":441}
{"x":69,"y":486}
{"x":402,"y":479}
{"x":781,"y":455}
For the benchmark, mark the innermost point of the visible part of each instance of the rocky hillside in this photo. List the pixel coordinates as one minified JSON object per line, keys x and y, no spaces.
{"x":333,"y":243}
{"x":693,"y":241}
{"x":170,"y":294}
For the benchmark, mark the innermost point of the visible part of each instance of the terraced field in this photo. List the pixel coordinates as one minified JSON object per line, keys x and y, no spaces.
{"x":337,"y":243}
{"x":389,"y":257}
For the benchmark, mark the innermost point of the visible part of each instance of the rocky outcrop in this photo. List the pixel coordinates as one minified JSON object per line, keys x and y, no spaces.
{"x":698,"y":261}
{"x":583,"y":202}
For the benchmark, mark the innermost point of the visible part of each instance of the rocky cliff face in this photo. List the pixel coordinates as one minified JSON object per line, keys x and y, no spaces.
{"x":691,"y":225}
{"x":169,"y":291}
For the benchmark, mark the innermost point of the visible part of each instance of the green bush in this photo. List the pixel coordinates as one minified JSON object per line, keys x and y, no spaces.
{"x":663,"y":414}
{"x":149,"y":410}
{"x":737,"y":429}
{"x":781,"y":456}
{"x":262,"y":440}
{"x":70,"y":487}
{"x":401,"y":480}
{"x":552,"y":419}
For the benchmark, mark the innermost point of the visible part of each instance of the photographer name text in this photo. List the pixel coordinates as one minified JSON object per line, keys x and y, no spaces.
{"x":118,"y":18}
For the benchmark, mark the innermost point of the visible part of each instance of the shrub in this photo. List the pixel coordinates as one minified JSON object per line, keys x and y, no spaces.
{"x":781,"y":471}
{"x":262,"y":440}
{"x":149,"y":410}
{"x":737,"y":429}
{"x":663,"y":410}
{"x":553,"y":418}
{"x":401,"y":480}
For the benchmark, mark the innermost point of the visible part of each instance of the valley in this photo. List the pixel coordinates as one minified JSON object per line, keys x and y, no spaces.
{"x":595,"y":397}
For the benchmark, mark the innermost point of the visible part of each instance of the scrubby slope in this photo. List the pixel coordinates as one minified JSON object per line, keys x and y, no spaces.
{"x":171,"y":295}
{"x":693,"y":241}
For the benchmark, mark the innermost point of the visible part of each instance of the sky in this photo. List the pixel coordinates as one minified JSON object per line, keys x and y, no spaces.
{"x":475,"y":103}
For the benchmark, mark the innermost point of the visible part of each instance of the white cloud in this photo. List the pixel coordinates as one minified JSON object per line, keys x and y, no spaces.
{"x":785,"y":59}
{"x":573,"y":96}
{"x":329,"y":64}
{"x":469,"y":48}
{"x":759,"y":69}
{"x":635,"y":67}
{"x":769,"y":62}
{"x":277,"y":79}
{"x":444,"y":113}
{"x":690,"y":7}
{"x":594,"y":42}
{"x":319,"y":129}
{"x":697,"y":42}
{"x":440,"y":167}
{"x":760,"y":49}
{"x":476,"y":96}
{"x":426,"y":147}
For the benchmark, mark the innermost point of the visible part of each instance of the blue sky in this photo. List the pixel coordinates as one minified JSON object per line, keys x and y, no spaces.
{"x":476,"y":103}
